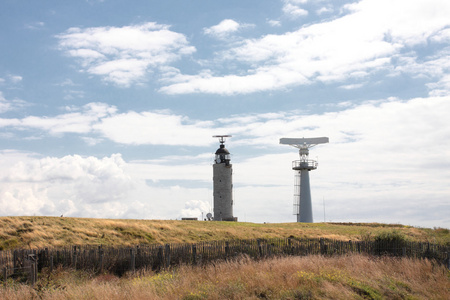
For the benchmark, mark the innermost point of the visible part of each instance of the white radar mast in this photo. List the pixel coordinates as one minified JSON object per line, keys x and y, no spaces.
{"x":302,"y":191}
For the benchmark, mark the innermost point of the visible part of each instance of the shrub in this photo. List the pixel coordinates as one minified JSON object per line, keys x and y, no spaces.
{"x":389,"y":242}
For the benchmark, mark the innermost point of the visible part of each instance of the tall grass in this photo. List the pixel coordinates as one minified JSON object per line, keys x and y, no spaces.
{"x":308,"y":277}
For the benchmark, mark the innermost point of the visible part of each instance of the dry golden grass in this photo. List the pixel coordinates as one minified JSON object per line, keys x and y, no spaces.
{"x":37,"y":232}
{"x":309,"y":277}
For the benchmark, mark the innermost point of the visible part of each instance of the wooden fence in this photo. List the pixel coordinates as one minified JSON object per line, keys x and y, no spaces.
{"x":156,"y":257}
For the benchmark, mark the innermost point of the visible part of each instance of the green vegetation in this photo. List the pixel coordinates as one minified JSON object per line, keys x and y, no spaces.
{"x":39,"y":232}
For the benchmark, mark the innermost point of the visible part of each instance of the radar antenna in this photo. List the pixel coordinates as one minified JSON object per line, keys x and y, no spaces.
{"x":222,"y":138}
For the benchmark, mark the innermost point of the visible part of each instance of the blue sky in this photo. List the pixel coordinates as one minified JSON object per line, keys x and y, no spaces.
{"x":107,"y":109}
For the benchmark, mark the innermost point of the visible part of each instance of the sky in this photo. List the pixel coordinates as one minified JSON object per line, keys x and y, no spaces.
{"x":108,"y":108}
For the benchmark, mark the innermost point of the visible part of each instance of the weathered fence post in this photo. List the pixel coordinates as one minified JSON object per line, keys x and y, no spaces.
{"x":74,"y":257}
{"x":51,"y":262}
{"x":259,"y":247}
{"x":167,"y":255}
{"x":32,"y":273}
{"x":138,"y":256}
{"x":32,"y":259}
{"x":100,"y":258}
{"x":322,"y":246}
{"x":448,"y":260}
{"x":5,"y":274}
{"x":403,"y":251}
{"x":227,"y":248}
{"x":132,"y":260}
{"x":35,"y":274}
{"x":43,"y":260}
{"x":15,"y":261}
{"x":194,"y":254}
{"x":160,"y":258}
{"x":58,"y":257}
{"x":290,"y":247}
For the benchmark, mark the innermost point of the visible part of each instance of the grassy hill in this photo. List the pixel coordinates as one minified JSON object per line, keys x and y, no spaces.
{"x":39,"y":232}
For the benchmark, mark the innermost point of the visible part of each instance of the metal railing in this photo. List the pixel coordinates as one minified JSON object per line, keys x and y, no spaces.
{"x":305,"y":164}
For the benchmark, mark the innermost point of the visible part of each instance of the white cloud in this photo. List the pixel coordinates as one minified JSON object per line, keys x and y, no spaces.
{"x":121,"y":71}
{"x":91,"y":141}
{"x":89,"y":187}
{"x":351,"y":86}
{"x":4,"y":105}
{"x":136,"y":128}
{"x":406,"y":22}
{"x":73,"y":94}
{"x":155,"y":128}
{"x":67,"y":82}
{"x":97,"y":121}
{"x":73,"y":122}
{"x":436,"y":68}
{"x":293,"y":10}
{"x":442,"y":36}
{"x":35,"y":25}
{"x":15,"y":78}
{"x":68,"y":185}
{"x":194,"y":209}
{"x":9,"y":105}
{"x":225,"y":29}
{"x":373,"y":36}
{"x":11,"y":79}
{"x":274,"y":23}
{"x":324,"y":10}
{"x":124,"y":55}
{"x":222,"y":29}
{"x":440,"y":88}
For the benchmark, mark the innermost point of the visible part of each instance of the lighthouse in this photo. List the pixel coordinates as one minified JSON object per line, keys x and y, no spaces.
{"x":223,"y":184}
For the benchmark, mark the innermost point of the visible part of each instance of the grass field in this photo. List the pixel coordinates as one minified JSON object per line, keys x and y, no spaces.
{"x":39,"y":232}
{"x":307,"y":277}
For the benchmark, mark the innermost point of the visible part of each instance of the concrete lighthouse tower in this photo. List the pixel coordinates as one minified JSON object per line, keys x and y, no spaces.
{"x":223,"y":184}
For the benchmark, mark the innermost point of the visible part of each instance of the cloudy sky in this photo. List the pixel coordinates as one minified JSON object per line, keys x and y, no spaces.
{"x":108,"y":109}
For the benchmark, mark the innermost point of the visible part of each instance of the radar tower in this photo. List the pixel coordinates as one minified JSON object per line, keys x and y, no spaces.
{"x":302,"y":191}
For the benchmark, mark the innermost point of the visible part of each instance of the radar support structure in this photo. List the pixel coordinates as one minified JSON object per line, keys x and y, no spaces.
{"x":302,"y":190}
